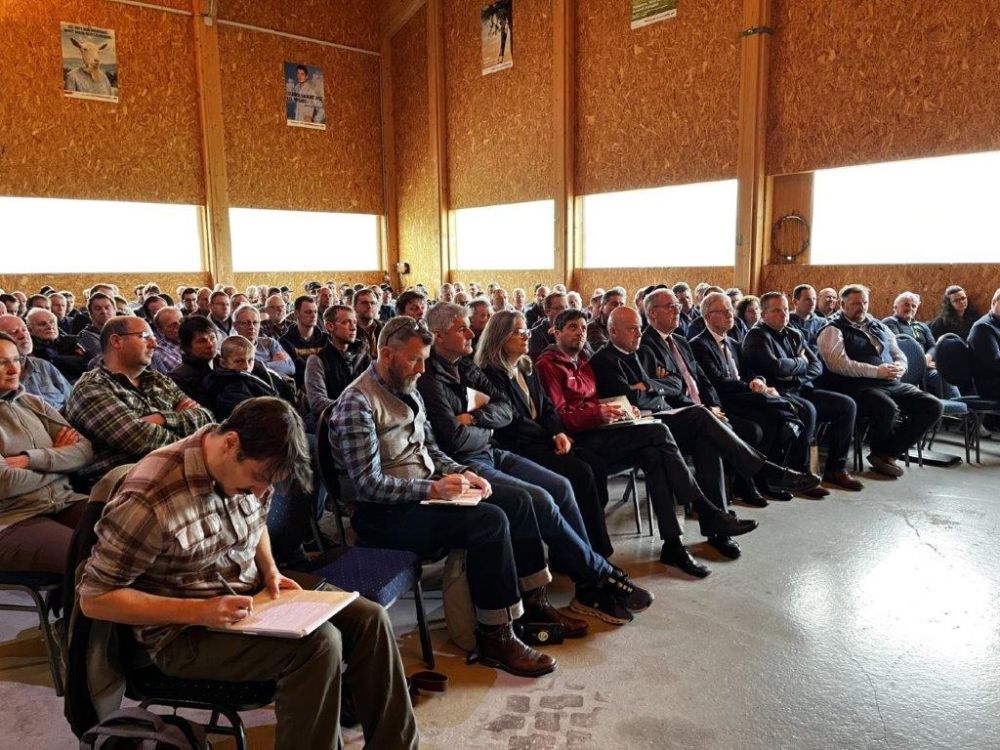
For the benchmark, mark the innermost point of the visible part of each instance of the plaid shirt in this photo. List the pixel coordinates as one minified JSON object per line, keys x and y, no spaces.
{"x":108,"y":409}
{"x":168,"y":532}
{"x":355,"y":444}
{"x":166,"y":356}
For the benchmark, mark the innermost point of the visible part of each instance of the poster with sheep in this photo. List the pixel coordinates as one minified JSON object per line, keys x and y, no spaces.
{"x":90,"y":62}
{"x":305,"y":98}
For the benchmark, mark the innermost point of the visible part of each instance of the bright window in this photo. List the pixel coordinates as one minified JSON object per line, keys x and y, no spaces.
{"x":271,"y":240}
{"x":918,"y":211}
{"x":515,"y":236}
{"x":58,"y":235}
{"x":679,"y":225}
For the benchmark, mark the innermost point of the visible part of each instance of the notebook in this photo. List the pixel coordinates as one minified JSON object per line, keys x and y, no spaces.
{"x":629,"y":418}
{"x":294,"y":614}
{"x":469,"y":497}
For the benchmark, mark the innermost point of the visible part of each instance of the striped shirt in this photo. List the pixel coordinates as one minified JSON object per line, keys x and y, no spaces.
{"x":169,"y":532}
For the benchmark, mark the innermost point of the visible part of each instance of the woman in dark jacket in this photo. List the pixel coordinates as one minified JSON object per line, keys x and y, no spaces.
{"x":536,"y":431}
{"x":956,"y":315}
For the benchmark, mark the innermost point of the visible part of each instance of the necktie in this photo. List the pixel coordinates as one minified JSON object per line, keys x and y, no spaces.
{"x":727,"y":356}
{"x":692,"y":386}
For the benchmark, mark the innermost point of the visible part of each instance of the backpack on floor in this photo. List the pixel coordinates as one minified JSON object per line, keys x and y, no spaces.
{"x":139,"y":729}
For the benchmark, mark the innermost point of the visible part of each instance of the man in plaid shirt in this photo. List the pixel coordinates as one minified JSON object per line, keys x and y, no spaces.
{"x":125,"y":408}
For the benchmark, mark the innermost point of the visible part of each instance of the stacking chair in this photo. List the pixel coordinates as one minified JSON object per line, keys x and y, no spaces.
{"x":954,"y":361}
{"x":631,"y":475}
{"x":42,"y":588}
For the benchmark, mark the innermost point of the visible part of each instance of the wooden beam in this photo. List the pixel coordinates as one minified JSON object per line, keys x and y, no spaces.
{"x":751,"y":163}
{"x":213,"y":144}
{"x":437,"y":109}
{"x":563,"y":121}
{"x":395,"y":14}
{"x":390,"y":237}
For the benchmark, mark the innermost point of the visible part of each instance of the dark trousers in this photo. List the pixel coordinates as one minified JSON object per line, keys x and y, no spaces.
{"x":709,"y":442}
{"x":883,"y":405}
{"x":840,"y":411}
{"x":590,"y":493}
{"x":309,"y":672}
{"x":504,"y":552}
{"x":40,"y":544}
{"x":556,"y":511}
{"x":669,"y":481}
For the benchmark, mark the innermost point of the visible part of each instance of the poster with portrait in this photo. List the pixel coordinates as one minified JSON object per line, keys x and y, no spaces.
{"x":645,"y":12}
{"x":305,"y":98}
{"x":497,"y":19}
{"x":89,"y":62}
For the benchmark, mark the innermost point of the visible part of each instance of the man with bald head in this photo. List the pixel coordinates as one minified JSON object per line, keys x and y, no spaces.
{"x":125,"y":408}
{"x":167,"y":325}
{"x":52,"y":345}
{"x":38,"y":377}
{"x":827,"y":302}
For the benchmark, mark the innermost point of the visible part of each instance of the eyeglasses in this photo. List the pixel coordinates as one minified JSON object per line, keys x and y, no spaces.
{"x":19,"y":361}
{"x":144,"y":335}
{"x":673,"y":306}
{"x":522,"y":332}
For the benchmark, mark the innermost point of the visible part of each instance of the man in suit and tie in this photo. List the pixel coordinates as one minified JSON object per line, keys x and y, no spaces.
{"x":779,"y":352}
{"x":746,"y":395}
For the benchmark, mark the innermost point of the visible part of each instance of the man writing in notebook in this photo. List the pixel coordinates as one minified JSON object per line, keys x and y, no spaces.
{"x":187,"y":526}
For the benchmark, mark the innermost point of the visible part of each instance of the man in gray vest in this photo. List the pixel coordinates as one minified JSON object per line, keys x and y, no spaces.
{"x":864,"y":362}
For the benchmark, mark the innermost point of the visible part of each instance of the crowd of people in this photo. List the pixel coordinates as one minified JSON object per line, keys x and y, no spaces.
{"x":526,"y":403}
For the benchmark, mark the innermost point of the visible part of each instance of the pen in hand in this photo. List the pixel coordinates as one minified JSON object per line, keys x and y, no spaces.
{"x":230,"y":589}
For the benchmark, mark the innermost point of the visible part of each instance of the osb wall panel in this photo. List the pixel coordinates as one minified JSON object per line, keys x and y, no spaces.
{"x":500,"y":125}
{"x":272,"y":165}
{"x":510,"y":280}
{"x":351,"y":22}
{"x":869,"y":81}
{"x":144,"y":148}
{"x":588,"y":279}
{"x":659,"y":105}
{"x":126,"y":282}
{"x":419,"y":227}
{"x":296,"y":280}
{"x":927,"y":280}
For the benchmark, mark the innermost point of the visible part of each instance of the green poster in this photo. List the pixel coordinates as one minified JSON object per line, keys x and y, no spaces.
{"x":645,"y":12}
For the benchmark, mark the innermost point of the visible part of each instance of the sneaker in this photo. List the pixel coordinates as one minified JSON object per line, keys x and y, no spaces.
{"x":601,"y":602}
{"x":635,"y":598}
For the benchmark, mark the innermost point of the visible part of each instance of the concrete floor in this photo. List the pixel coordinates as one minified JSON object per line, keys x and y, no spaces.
{"x":864,"y":620}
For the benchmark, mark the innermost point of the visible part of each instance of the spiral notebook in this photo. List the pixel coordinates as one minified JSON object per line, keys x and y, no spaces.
{"x":294,"y":614}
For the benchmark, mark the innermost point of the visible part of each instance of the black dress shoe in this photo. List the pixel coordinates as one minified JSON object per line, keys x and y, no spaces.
{"x":679,"y":557}
{"x":748,"y":494}
{"x":726,"y":546}
{"x":727,"y":525}
{"x":775,"y":494}
{"x":781,"y":478}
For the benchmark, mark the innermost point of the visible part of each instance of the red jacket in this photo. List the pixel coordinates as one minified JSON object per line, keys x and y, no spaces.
{"x":572,"y":388}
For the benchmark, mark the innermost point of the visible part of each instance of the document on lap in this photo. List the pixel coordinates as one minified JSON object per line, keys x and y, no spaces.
{"x":476,"y":399}
{"x":294,"y":614}
{"x":471,"y":496}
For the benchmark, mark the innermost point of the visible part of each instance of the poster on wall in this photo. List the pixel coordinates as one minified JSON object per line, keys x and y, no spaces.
{"x":89,"y":62}
{"x":645,"y":12}
{"x":305,"y":101}
{"x":497,"y":20}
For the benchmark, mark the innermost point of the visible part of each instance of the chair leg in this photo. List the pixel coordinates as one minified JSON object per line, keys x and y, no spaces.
{"x":966,"y":430}
{"x":425,"y":637}
{"x":633,"y":490}
{"x":51,"y":644}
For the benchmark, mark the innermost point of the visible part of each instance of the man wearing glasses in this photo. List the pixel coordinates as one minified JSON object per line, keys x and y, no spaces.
{"x":125,"y":408}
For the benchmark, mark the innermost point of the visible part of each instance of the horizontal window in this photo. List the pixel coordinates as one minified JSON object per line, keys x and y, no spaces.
{"x":940,"y":210}
{"x":515,"y":236}
{"x":58,"y":235}
{"x":271,"y":240}
{"x":679,"y":225}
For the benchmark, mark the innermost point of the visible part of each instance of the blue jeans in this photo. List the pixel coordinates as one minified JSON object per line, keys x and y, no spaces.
{"x":559,"y":519}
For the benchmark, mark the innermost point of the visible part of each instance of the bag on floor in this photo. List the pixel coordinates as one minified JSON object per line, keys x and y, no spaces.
{"x":459,"y":613}
{"x":139,"y":729}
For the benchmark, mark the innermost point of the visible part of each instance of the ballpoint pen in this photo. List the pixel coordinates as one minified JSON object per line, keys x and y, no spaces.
{"x":230,"y":589}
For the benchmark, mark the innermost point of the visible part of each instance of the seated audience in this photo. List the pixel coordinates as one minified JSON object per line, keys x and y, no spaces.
{"x":535,"y":431}
{"x":38,"y":450}
{"x":231,"y":380}
{"x":60,"y":308}
{"x":203,"y":302}
{"x":344,"y":357}
{"x":464,"y":408}
{"x":304,"y":337}
{"x":956,"y":314}
{"x":541,"y":334}
{"x":748,"y":310}
{"x":827,"y":302}
{"x":51,"y":344}
{"x":100,"y":309}
{"x":166,"y":323}
{"x":268,"y":352}
{"x":479,"y":315}
{"x":379,"y":433}
{"x":597,"y":329}
{"x":198,"y":341}
{"x":536,"y":310}
{"x":574,"y":301}
{"x":274,"y":325}
{"x":689,"y":310}
{"x":863,"y":361}
{"x":125,"y":408}
{"x":904,"y":321}
{"x":38,"y":377}
{"x":984,"y":340}
{"x":366,"y":303}
{"x":150,"y":306}
{"x":188,"y":296}
{"x":219,"y":309}
{"x":412,"y":303}
{"x":145,"y":571}
{"x":805,"y":317}
{"x":519,"y":299}
{"x":779,"y":352}
{"x":498,"y":300}
{"x":10,"y":304}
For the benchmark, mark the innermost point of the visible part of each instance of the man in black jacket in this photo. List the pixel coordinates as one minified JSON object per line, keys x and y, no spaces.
{"x":464,"y":408}
{"x":344,"y":357}
{"x":198,"y":337}
{"x":779,"y":352}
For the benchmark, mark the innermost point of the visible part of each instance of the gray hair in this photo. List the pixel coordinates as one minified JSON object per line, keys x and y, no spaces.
{"x":912,"y":296}
{"x":441,"y":315}
{"x":400,"y":329}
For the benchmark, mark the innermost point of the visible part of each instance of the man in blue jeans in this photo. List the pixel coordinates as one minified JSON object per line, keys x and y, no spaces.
{"x":464,"y":408}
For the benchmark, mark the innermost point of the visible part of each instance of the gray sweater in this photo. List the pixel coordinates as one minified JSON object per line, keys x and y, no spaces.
{"x":29,"y":426}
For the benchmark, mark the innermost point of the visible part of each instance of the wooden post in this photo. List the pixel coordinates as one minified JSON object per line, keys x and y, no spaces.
{"x":751,"y":163}
{"x":563,"y":122}
{"x":218,"y":242}
{"x":390,"y":237}
{"x":437,"y":108}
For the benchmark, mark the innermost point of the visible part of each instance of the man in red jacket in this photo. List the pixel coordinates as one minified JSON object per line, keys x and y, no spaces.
{"x":602,"y":429}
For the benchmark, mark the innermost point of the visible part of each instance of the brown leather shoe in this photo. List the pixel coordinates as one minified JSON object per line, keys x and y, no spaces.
{"x":538,"y":609}
{"x":498,"y":647}
{"x":843,"y":480}
{"x":817,"y":493}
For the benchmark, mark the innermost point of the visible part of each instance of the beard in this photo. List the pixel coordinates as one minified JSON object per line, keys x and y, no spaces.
{"x":398,"y":381}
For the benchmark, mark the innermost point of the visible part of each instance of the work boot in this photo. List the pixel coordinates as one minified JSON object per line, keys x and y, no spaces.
{"x":497,"y":646}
